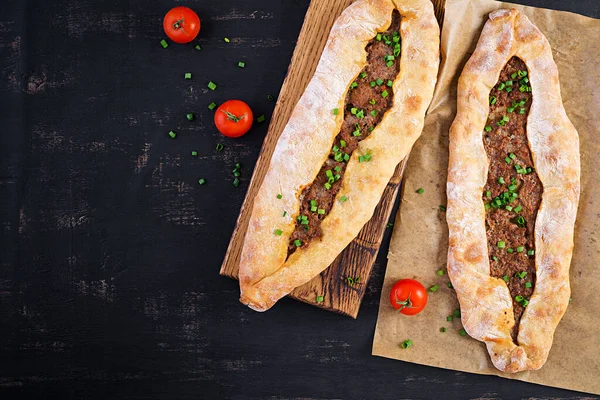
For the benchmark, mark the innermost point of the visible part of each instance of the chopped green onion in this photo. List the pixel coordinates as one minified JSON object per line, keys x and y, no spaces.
{"x":442,"y":329}
{"x":494,"y":258}
{"x":353,"y":85}
{"x":493,"y":100}
{"x":501,"y":244}
{"x":505,"y":278}
{"x":226,"y":40}
{"x":188,"y":75}
{"x":450,"y":285}
{"x":528,"y":285}
{"x":434,"y":288}
{"x":212,"y":85}
{"x":390,"y":83}
{"x":284,"y":213}
{"x":241,"y":64}
{"x":462,"y":332}
{"x":212,"y":106}
{"x":342,"y":143}
{"x":197,"y":47}
{"x":508,"y":160}
{"x":521,"y":274}
{"x":270,"y":98}
{"x":442,"y":208}
{"x":236,"y":182}
{"x":420,"y":190}
{"x":194,"y":153}
{"x":519,"y":298}
{"x":520,"y":249}
{"x":321,"y":211}
{"x":201,"y":181}
{"x":298,"y":242}
{"x":501,"y":180}
{"x":384,"y":94}
{"x":514,"y":75}
{"x":488,"y":128}
{"x":509,"y":250}
{"x":440,"y":272}
{"x":278,"y":232}
{"x":530,"y":252}
{"x":374,"y":113}
{"x":343,"y":199}
{"x":172,"y":134}
{"x":501,"y":86}
{"x":320,"y":299}
{"x":518,"y":209}
{"x":456,"y":313}
{"x":406,"y":344}
{"x":363,"y":75}
{"x":449,"y":318}
{"x":373,"y":84}
{"x":336,"y":111}
{"x":219,"y":147}
{"x":508,"y":208}
{"x":372,"y":102}
{"x":190,"y":116}
{"x":279,"y":196}
{"x":379,"y":82}
{"x":327,"y":185}
{"x":488,"y":194}
{"x":261,"y":118}
{"x":164,"y":43}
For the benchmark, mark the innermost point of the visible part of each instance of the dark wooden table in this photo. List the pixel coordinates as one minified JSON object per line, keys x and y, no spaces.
{"x":109,"y":248}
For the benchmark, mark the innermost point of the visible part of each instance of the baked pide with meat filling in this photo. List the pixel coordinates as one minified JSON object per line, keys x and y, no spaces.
{"x":358,"y":118}
{"x":513,"y":190}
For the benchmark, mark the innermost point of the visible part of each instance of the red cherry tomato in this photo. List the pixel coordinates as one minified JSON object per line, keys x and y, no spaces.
{"x":181,"y":24}
{"x":408,"y":296}
{"x":234,"y":118}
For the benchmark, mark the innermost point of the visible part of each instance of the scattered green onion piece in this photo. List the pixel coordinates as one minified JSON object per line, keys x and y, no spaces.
{"x":343,"y":199}
{"x":528,"y":285}
{"x":509,"y":250}
{"x":226,"y":40}
{"x":440,"y":272}
{"x":188,"y":75}
{"x":190,"y":116}
{"x":501,"y":180}
{"x":505,"y":278}
{"x":164,"y":43}
{"x":442,"y":208}
{"x":320,"y":299}
{"x":279,"y":196}
{"x":261,"y":118}
{"x":530,"y":252}
{"x":219,"y":147}
{"x":520,"y":249}
{"x":462,"y":332}
{"x":420,"y":190}
{"x":363,"y":75}
{"x":442,"y":329}
{"x":298,"y":242}
{"x":456,"y":313}
{"x":212,"y":106}
{"x":172,"y":134}
{"x":384,"y":94}
{"x":493,"y":100}
{"x":211,"y":85}
{"x":449,"y":318}
{"x":201,"y":181}
{"x":241,"y":64}
{"x":434,"y":288}
{"x":236,"y":182}
{"x":197,"y":47}
{"x":450,"y":285}
{"x":278,"y":232}
{"x":488,"y":128}
{"x":194,"y":153}
{"x":390,"y":83}
{"x":501,"y":244}
{"x":406,"y":344}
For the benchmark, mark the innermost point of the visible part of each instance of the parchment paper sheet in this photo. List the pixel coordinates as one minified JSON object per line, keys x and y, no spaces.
{"x":419,"y":243}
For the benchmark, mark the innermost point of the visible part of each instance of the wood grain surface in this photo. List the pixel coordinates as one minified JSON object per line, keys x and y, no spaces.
{"x":343,"y":283}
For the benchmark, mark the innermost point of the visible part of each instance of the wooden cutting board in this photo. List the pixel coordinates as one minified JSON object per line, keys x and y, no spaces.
{"x":340,"y":294}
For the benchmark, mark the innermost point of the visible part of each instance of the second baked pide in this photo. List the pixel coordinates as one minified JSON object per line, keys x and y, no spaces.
{"x":358,"y":118}
{"x":513,"y":190}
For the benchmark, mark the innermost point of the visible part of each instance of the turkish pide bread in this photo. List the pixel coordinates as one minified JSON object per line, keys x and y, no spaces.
{"x":358,"y":118}
{"x":513,"y":191}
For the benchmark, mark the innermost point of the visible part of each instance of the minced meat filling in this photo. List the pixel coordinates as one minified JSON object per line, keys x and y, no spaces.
{"x":370,"y":95}
{"x":513,"y":190}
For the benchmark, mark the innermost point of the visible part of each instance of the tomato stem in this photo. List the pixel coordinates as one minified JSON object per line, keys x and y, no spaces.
{"x":404,"y":304}
{"x":233,"y":117}
{"x":179,"y":25}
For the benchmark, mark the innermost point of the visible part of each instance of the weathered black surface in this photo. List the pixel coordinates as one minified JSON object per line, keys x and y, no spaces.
{"x":110,"y":250}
